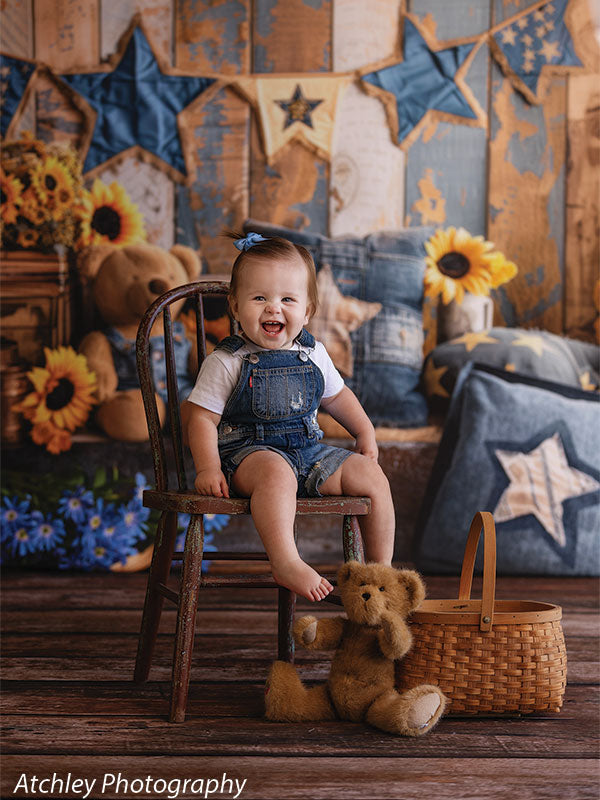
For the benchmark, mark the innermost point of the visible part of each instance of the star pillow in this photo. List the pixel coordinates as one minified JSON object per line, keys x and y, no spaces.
{"x":336,"y":317}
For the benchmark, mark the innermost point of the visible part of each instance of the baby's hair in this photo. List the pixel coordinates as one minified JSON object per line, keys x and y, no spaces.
{"x":275,"y":248}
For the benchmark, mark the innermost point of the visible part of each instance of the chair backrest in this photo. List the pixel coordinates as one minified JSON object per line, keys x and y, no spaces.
{"x":196,"y":292}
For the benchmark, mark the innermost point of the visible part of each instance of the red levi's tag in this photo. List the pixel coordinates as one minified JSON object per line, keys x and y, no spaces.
{"x":250,"y":381}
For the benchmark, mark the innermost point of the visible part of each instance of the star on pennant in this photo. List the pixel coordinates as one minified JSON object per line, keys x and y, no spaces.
{"x":473,"y":338}
{"x":298,"y":108}
{"x":337,"y":316}
{"x":541,"y":480}
{"x":15,"y":83}
{"x":542,"y":41}
{"x":428,"y":81}
{"x":138,"y":106}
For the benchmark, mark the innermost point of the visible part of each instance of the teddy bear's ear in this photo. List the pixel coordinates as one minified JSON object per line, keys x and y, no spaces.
{"x":415,"y":588}
{"x":91,"y":259}
{"x":345,"y":571}
{"x":189,"y":259}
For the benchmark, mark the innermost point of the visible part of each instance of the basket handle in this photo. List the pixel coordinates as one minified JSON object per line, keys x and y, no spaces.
{"x":482,"y":519}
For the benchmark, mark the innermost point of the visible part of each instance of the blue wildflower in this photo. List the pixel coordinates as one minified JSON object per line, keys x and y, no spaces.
{"x":22,"y":542}
{"x":74,"y":504}
{"x":15,"y":514}
{"x":46,"y":532}
{"x":140,"y":485}
{"x":215,"y":522}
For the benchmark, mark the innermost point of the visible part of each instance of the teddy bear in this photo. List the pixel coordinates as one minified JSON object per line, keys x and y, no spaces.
{"x":124,"y":282}
{"x":361,"y":685}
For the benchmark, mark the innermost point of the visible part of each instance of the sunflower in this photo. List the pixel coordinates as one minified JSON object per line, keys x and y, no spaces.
{"x":457,"y":262}
{"x":501,"y":270}
{"x":56,"y":439}
{"x":11,"y":190}
{"x":54,"y":186}
{"x":62,"y":392}
{"x":112,"y":217}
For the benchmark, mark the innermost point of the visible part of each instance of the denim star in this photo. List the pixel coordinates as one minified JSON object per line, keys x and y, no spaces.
{"x":137,"y":105}
{"x":15,"y":75}
{"x":298,"y":108}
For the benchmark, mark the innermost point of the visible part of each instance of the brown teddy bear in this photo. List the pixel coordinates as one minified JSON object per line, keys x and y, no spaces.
{"x":361,"y":686}
{"x":124,"y":282}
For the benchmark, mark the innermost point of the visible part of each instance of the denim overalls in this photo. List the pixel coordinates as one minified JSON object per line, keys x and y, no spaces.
{"x":274,"y":407}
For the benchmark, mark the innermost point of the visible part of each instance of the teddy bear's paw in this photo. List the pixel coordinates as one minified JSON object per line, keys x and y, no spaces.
{"x":426,"y":706}
{"x":288,"y":700}
{"x":305,"y":630}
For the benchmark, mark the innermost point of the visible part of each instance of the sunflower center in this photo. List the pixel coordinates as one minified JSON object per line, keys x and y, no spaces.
{"x":61,"y":395}
{"x":107,"y":222}
{"x":454,"y":264}
{"x":3,"y":197}
{"x":50,"y":182}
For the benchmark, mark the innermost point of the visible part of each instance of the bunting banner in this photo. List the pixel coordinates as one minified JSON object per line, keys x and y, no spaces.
{"x":295,"y":108}
{"x":17,"y":78}
{"x":535,"y":39}
{"x":427,"y":83}
{"x":136,"y":106}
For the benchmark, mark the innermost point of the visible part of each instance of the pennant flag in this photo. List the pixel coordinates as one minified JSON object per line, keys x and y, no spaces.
{"x":15,"y":85}
{"x":137,"y":107}
{"x":427,"y":83}
{"x":533,"y":40}
{"x":295,"y":108}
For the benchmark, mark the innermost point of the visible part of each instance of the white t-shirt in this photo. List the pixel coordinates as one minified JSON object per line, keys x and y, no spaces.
{"x":220,"y":372}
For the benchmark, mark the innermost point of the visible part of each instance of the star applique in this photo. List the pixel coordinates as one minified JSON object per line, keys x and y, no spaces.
{"x":547,"y":484}
{"x":432,"y":376}
{"x":428,"y":80}
{"x":299,"y":108}
{"x":587,"y":384}
{"x":532,"y":341}
{"x":15,"y":78}
{"x":137,"y":106}
{"x":337,"y":316}
{"x":472,"y":338}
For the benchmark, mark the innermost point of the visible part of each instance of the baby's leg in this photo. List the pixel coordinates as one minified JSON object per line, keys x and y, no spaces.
{"x":362,"y":477}
{"x":269,"y":481}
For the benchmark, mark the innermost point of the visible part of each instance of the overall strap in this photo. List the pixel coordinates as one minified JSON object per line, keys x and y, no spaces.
{"x":306,"y":339}
{"x":230,"y":343}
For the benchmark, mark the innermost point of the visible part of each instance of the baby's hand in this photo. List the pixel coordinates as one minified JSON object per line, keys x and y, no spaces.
{"x":211,"y":482}
{"x":367,"y":446}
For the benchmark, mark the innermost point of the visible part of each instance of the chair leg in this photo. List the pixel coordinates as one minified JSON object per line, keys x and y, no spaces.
{"x":352,"y":539}
{"x":186,"y":617}
{"x":166,"y":533}
{"x":285,"y":637}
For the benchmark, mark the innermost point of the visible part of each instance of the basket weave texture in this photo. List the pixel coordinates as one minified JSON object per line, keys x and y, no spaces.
{"x":489,"y":656}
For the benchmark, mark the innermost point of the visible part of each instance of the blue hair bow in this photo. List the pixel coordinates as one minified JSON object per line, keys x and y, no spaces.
{"x":249,"y":241}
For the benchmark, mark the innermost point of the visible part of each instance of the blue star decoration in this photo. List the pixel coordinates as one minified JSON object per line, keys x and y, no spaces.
{"x":15,"y":75}
{"x":541,"y":485}
{"x":137,"y":105}
{"x":299,"y":108}
{"x":424,"y":81}
{"x":532,"y":41}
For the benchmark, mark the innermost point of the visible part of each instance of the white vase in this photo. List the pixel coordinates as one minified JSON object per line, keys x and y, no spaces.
{"x":475,"y":313}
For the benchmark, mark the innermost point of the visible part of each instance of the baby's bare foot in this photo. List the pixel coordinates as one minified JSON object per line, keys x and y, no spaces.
{"x":299,"y":577}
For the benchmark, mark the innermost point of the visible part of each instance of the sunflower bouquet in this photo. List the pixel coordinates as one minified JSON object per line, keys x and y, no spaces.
{"x":458,"y":262}
{"x":45,"y":205}
{"x":61,"y":399}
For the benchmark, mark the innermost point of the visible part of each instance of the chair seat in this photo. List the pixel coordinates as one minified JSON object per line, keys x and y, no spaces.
{"x":190,"y":503}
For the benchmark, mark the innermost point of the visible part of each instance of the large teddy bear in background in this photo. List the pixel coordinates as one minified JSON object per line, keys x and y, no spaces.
{"x":125,"y":281}
{"x":361,"y":685}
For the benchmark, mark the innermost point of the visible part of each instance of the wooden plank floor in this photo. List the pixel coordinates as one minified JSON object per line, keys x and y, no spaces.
{"x":70,"y":708}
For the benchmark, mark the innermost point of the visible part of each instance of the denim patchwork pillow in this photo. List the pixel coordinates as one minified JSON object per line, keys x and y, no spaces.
{"x":387,"y":350}
{"x":528,"y":451}
{"x":536,"y":353}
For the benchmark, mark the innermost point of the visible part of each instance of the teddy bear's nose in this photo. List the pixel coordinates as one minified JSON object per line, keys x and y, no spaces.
{"x":365,"y":595}
{"x":157,"y":286}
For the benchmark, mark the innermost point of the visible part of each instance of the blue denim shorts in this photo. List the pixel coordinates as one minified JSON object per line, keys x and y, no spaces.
{"x":312,"y":464}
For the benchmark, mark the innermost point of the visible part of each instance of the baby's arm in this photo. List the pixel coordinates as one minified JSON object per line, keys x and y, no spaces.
{"x":345,"y":408}
{"x":203,"y":441}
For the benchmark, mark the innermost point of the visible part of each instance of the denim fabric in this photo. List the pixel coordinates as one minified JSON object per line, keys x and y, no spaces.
{"x":274,"y":407}
{"x":388,"y":350}
{"x":495,"y":412}
{"x":123,"y":352}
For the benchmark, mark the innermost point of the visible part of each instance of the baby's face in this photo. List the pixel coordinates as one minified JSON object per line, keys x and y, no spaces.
{"x":271,"y":303}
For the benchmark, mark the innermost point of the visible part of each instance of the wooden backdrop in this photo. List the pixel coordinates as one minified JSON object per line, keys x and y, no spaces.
{"x":529,"y":182}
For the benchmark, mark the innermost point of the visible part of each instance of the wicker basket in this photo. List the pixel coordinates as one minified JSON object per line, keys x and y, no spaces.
{"x":488,"y":656}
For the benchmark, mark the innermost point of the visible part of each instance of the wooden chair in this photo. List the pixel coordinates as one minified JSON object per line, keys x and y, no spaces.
{"x":171,"y":501}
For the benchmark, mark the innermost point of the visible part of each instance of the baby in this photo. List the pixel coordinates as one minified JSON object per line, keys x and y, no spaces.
{"x":251,"y":418}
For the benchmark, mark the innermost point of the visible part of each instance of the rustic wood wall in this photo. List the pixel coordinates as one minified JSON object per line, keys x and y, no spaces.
{"x":529,"y":182}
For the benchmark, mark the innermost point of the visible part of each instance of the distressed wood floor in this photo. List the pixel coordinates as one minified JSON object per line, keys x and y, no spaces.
{"x":69,"y":706}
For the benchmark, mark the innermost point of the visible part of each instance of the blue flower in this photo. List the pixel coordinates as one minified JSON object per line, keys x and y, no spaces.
{"x":22,"y":542}
{"x":46,"y":532}
{"x":132,"y":520}
{"x":140,"y":485}
{"x":215,"y":522}
{"x":74,"y":504}
{"x":15,"y":514}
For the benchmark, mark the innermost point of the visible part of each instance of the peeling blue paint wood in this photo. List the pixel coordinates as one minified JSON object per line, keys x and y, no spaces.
{"x":446,"y":176}
{"x":215,"y":33}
